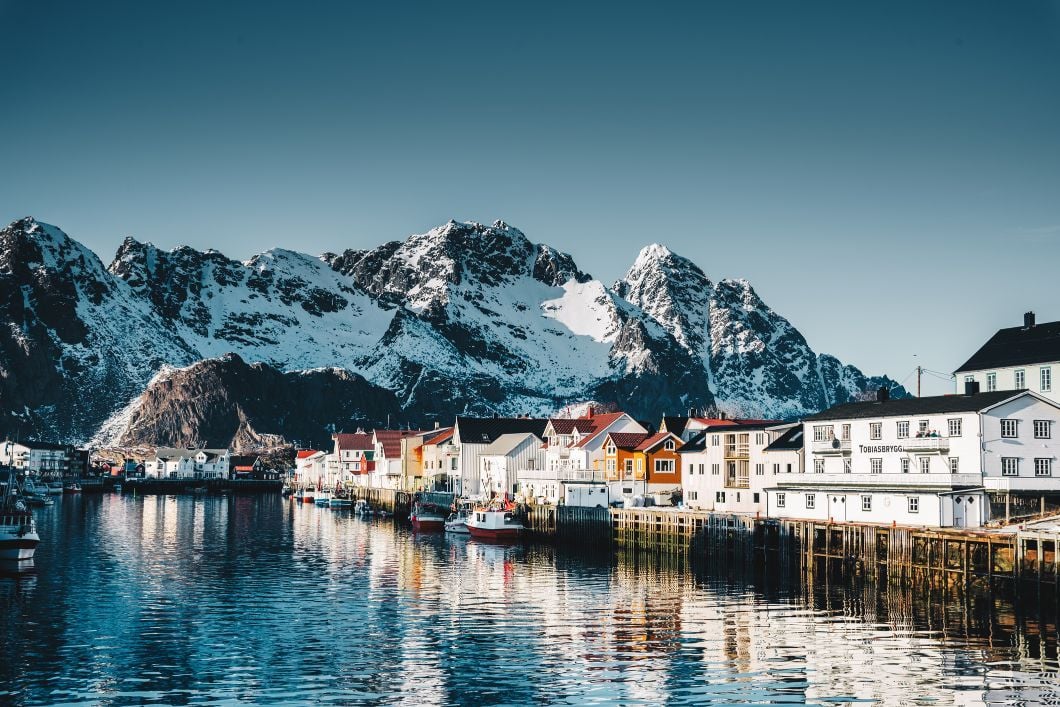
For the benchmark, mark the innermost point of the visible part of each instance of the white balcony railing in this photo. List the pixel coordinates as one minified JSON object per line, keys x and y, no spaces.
{"x":912,"y":479}
{"x":926,"y":444}
{"x":584,"y":475}
{"x":831,"y":446}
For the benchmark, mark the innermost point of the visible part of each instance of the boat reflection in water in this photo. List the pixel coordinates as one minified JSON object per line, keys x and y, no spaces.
{"x":165,"y":583}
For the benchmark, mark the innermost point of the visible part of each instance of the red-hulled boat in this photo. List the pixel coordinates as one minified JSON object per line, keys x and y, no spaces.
{"x":494,"y":524}
{"x":428,"y":516}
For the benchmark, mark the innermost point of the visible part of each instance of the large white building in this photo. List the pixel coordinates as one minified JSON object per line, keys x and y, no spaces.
{"x":921,"y":461}
{"x":726,"y":468}
{"x":471,"y":436}
{"x":43,"y":458}
{"x":502,"y":461}
{"x":1017,"y":358}
{"x":176,"y":463}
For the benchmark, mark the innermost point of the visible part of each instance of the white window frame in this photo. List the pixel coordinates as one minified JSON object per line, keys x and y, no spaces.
{"x":715,"y":469}
{"x":782,"y":499}
{"x":1043,"y":466}
{"x":1039,"y":426}
{"x":903,"y":429}
{"x":1019,"y":379}
{"x":847,"y":466}
{"x":760,"y":469}
{"x":811,"y":501}
{"x":913,"y":504}
{"x":905,"y":465}
{"x":955,"y":427}
{"x":1010,"y":428}
{"x":1045,"y":379}
{"x":818,"y":465}
{"x":845,"y":433}
{"x":823,"y":433}
{"x":667,"y":466}
{"x":876,"y":465}
{"x":866,"y":504}
{"x":669,"y":445}
{"x":955,"y":465}
{"x":925,"y":465}
{"x":1010,"y":466}
{"x":875,"y":430}
{"x":991,"y":382}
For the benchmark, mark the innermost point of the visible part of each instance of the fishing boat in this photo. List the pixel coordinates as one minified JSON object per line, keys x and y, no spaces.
{"x":427,"y":517}
{"x":322,"y":497}
{"x":457,"y":522}
{"x":18,"y":532}
{"x":308,"y":494}
{"x":72,"y":488}
{"x":341,"y":502}
{"x":494,"y":524}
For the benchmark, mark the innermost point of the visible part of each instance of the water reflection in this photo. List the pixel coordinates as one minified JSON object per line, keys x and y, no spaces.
{"x":251,"y":600}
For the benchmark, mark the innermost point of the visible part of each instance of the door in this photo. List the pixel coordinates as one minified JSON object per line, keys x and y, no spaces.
{"x":959,"y":511}
{"x":837,"y":507}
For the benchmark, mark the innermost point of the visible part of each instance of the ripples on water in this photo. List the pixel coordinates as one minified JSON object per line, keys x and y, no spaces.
{"x":248,"y":600}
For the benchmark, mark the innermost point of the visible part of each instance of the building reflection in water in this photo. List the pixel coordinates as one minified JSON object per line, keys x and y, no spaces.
{"x":260,"y":600}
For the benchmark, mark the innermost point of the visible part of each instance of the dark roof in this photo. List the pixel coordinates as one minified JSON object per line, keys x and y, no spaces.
{"x":566,"y":426}
{"x":915,"y":406}
{"x":790,"y":440}
{"x":627,"y":440}
{"x":696,"y":444}
{"x":675,"y":424}
{"x":484,"y":430}
{"x":44,"y":445}
{"x":1017,"y":346}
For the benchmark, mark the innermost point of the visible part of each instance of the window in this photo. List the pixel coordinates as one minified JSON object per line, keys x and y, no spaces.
{"x":782,"y":500}
{"x":818,"y":466}
{"x":875,"y":430}
{"x":866,"y":503}
{"x":715,"y":469}
{"x":610,"y":449}
{"x":1043,"y":467}
{"x":903,"y":429}
{"x":1047,"y":378}
{"x":702,"y":469}
{"x":755,"y":497}
{"x":846,"y":466}
{"x":629,"y":465}
{"x":789,"y":468}
{"x":719,"y":497}
{"x":846,"y":432}
{"x":922,"y":426}
{"x":823,"y":433}
{"x":760,"y":438}
{"x":954,"y":427}
{"x":925,"y":465}
{"x":715,"y":440}
{"x":664,"y":466}
{"x":969,"y":379}
{"x":1042,"y":429}
{"x":955,"y":465}
{"x":669,"y":445}
{"x":905,"y":465}
{"x":693,"y":495}
{"x":913,"y":504}
{"x":760,"y":469}
{"x":1019,"y":379}
{"x":1010,"y":466}
{"x":991,"y":382}
{"x":1010,"y":428}
{"x":876,"y":465}
{"x":776,"y":469}
{"x":611,"y":465}
{"x":691,"y":469}
{"x":640,"y":463}
{"x":811,"y":500}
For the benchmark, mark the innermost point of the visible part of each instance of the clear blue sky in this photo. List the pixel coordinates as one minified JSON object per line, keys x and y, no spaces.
{"x":886,"y":174}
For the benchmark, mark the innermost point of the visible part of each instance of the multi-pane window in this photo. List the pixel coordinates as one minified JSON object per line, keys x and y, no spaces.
{"x":876,"y":465}
{"x":1043,"y":467}
{"x":1046,"y":378}
{"x":664,"y":466}
{"x":760,"y":438}
{"x":715,"y":469}
{"x":922,"y":426}
{"x":776,"y":469}
{"x":903,"y":429}
{"x":845,"y":431}
{"x":955,"y":465}
{"x":823,"y":433}
{"x":782,"y":500}
{"x":905,"y":465}
{"x":811,"y":500}
{"x":669,"y":445}
{"x":969,"y":379}
{"x":691,"y":469}
{"x":702,"y":469}
{"x":1010,"y":428}
{"x":818,"y":466}
{"x":866,"y":503}
{"x":846,"y":466}
{"x":1042,"y":429}
{"x":925,"y":465}
{"x":954,"y":426}
{"x":1010,"y":466}
{"x":875,"y":430}
{"x":719,"y":497}
{"x":991,"y":382}
{"x":1019,"y":379}
{"x":715,"y":440}
{"x":760,"y":469}
{"x":913,"y":504}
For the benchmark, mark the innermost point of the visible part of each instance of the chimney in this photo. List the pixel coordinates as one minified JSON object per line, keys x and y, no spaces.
{"x":589,"y":412}
{"x":883,"y":394}
{"x":723,"y":416}
{"x":971,"y":387}
{"x":437,"y":424}
{"x":1028,"y":320}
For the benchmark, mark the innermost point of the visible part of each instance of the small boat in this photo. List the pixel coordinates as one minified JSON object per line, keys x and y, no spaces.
{"x":457,"y":523}
{"x":308,"y":494}
{"x":18,"y":531}
{"x":427,"y":517}
{"x":322,"y":498}
{"x":341,"y":502}
{"x":72,"y":488}
{"x":494,"y":524}
{"x":38,"y":500}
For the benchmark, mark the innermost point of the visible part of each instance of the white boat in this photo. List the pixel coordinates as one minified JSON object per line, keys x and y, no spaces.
{"x":494,"y":524}
{"x":18,"y":531}
{"x":34,"y":487}
{"x":322,"y":498}
{"x":457,"y":523}
{"x":341,"y":502}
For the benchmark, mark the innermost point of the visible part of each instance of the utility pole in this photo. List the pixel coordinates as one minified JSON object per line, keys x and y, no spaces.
{"x":919,"y":370}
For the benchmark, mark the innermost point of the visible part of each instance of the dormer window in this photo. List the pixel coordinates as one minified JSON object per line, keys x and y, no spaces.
{"x":611,"y":449}
{"x":669,"y":445}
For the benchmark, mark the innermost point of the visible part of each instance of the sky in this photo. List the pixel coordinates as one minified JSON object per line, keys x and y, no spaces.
{"x":886,"y":174}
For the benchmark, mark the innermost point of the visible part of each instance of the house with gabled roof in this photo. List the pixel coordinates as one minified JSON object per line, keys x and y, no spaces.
{"x":471,"y":435}
{"x":638,"y":463}
{"x":577,"y":444}
{"x":1017,"y":358}
{"x":505,"y":457}
{"x":725,"y":467}
{"x":353,"y":453}
{"x":389,"y":471}
{"x":177,"y":463}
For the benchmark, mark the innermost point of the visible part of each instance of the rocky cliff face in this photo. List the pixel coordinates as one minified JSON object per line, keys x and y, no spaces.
{"x":467,"y":318}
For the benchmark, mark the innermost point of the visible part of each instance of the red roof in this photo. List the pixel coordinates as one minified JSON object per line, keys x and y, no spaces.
{"x":303,"y":453}
{"x":628,"y":440}
{"x":600,"y":423}
{"x":566,"y":426}
{"x":355,"y":440}
{"x":438,"y":436}
{"x":244,"y":468}
{"x":391,"y":440}
{"x":655,"y":440}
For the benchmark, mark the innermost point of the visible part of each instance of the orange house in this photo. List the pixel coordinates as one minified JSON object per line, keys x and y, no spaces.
{"x":637,"y":463}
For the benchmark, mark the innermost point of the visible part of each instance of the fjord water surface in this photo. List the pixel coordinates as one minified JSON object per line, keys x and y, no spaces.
{"x":258,"y":600}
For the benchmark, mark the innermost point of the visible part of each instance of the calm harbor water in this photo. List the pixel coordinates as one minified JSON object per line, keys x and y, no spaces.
{"x":257,"y":600}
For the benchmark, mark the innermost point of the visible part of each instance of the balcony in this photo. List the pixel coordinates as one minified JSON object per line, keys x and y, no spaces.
{"x":737,"y":451}
{"x":940,"y":482}
{"x":737,"y":481}
{"x":939,"y":445}
{"x":831,"y":446}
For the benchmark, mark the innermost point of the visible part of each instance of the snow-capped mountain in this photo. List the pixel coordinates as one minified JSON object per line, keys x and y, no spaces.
{"x":466,"y":318}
